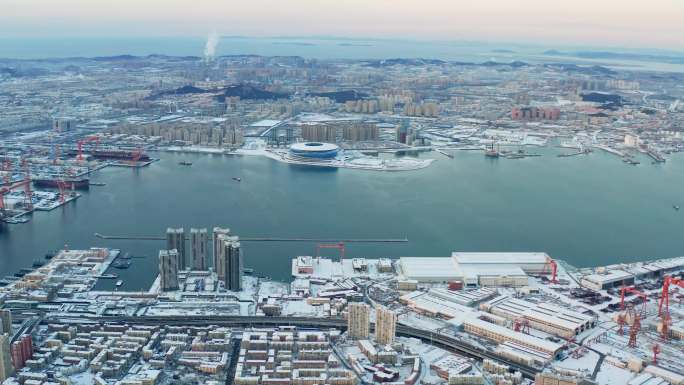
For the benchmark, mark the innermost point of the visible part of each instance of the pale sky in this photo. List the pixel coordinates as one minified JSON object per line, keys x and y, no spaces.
{"x":626,"y":23}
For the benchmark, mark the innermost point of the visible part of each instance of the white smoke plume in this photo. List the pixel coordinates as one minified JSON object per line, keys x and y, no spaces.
{"x":210,"y":46}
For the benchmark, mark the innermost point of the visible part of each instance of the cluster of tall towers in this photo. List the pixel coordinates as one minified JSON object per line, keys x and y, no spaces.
{"x":358,"y":323}
{"x":227,"y":256}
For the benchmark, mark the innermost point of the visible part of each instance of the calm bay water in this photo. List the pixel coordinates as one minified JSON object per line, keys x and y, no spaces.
{"x":591,"y":210}
{"x":312,"y":47}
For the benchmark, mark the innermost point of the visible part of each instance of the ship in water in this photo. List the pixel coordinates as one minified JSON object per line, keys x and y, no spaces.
{"x":492,"y":152}
{"x":68,"y":183}
{"x":185,"y":163}
{"x":114,"y":154}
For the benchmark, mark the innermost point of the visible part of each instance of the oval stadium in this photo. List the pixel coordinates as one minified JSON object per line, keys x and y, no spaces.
{"x":314,"y":150}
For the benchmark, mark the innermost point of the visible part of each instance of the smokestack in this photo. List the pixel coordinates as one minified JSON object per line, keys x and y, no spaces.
{"x":210,"y":47}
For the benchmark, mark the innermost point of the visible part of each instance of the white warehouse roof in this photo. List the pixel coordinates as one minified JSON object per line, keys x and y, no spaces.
{"x":500,"y":258}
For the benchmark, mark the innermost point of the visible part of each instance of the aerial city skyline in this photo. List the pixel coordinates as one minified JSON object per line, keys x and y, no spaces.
{"x":341,"y":193}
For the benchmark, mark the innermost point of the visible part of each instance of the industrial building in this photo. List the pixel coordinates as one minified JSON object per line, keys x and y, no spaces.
{"x":501,"y":335}
{"x":385,"y":325}
{"x":622,"y":275}
{"x":175,"y":240}
{"x":168,"y":270}
{"x":445,"y":303}
{"x":559,"y":321}
{"x":358,"y":321}
{"x":477,"y":269}
{"x":603,"y":281}
{"x":198,"y":242}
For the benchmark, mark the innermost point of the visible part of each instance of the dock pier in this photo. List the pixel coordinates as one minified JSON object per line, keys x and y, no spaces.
{"x":263,"y":239}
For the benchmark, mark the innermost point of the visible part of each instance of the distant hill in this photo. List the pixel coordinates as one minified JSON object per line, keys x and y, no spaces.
{"x":248,"y":92}
{"x":588,"y":70}
{"x":608,"y":100}
{"x":341,"y":96}
{"x":244,"y":91}
{"x":405,"y":62}
{"x":657,"y":57}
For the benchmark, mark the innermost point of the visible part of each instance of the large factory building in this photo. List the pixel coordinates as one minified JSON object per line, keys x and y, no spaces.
{"x":476,"y":269}
{"x":561,"y":322}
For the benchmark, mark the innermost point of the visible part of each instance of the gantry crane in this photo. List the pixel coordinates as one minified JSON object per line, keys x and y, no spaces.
{"x":635,"y":315}
{"x":28,"y":194}
{"x":632,"y":290}
{"x":80,"y":144}
{"x":665,"y":296}
{"x":339,"y":246}
{"x":664,"y":314}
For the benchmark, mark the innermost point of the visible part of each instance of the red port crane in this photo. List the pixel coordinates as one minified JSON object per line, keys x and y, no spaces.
{"x":635,"y":315}
{"x":7,"y":168}
{"x":665,"y":296}
{"x":553,"y":266}
{"x":80,"y":144}
{"x":522,"y":325}
{"x":339,"y":246}
{"x":656,"y":351}
{"x":632,"y":290}
{"x":636,"y":324}
{"x":135,"y":156}
{"x":621,"y":323}
{"x":26,"y":184}
{"x":28,"y":194}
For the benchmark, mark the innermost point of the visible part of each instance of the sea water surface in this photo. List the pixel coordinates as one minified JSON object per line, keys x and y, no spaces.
{"x":589,"y":210}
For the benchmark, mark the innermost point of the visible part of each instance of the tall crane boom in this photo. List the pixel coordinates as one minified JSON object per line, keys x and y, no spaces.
{"x":665,"y":296}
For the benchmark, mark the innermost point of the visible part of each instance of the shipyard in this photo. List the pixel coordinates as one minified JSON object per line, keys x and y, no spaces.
{"x":468,"y":318}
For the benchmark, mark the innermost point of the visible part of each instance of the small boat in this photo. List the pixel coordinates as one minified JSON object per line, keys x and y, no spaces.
{"x":492,"y":152}
{"x":676,"y":207}
{"x":248,"y":270}
{"x":185,"y":163}
{"x":237,"y":179}
{"x":98,"y":184}
{"x":122,"y":264}
{"x":108,"y":276}
{"x":119,"y":283}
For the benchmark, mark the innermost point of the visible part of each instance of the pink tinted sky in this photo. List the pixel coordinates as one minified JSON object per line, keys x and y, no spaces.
{"x":629,"y":23}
